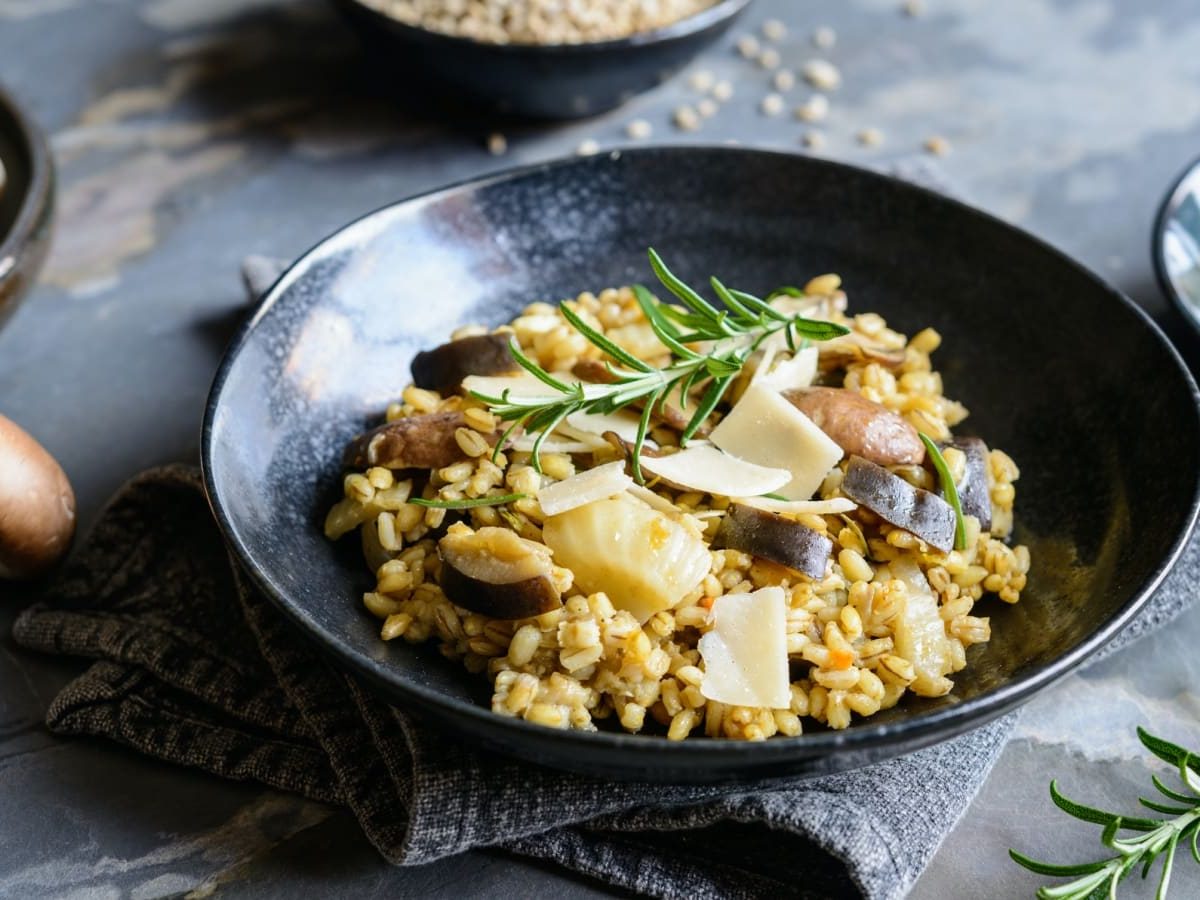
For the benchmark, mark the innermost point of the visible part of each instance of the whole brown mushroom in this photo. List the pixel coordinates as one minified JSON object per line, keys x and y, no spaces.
{"x":37,"y":505}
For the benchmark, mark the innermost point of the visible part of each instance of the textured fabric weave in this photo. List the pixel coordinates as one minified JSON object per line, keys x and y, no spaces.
{"x":195,"y":667}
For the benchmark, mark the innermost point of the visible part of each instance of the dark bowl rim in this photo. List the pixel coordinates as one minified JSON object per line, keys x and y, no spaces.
{"x":720,"y":11}
{"x":37,"y":191}
{"x":909,"y":733}
{"x":1157,"y":244}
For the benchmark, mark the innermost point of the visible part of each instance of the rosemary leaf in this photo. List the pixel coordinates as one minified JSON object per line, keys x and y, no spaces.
{"x":708,"y":402}
{"x":620,"y":354}
{"x":951,"y":491}
{"x":471,"y":503}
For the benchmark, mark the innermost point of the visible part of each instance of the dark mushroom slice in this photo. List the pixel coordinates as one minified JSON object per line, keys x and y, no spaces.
{"x":444,"y":368}
{"x":974,"y":493}
{"x":494,"y":572}
{"x":423,"y":441}
{"x":860,"y":426}
{"x":774,"y":537}
{"x":670,"y":412}
{"x":842,"y":352}
{"x":898,"y":503}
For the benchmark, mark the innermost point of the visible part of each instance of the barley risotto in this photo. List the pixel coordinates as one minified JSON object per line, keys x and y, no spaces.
{"x":684,"y":518}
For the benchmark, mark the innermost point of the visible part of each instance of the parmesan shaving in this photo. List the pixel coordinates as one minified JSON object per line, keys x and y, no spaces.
{"x":745,"y":653}
{"x":593,"y":484}
{"x":702,"y":467}
{"x":831,"y":507}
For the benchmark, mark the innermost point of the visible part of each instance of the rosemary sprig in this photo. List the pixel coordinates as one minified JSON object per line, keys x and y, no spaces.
{"x":469,"y":503}
{"x":732,"y":335}
{"x":1159,"y":837}
{"x":950,"y":489}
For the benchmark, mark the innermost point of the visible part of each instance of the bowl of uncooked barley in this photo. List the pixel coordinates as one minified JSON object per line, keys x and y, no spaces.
{"x":520,"y":58}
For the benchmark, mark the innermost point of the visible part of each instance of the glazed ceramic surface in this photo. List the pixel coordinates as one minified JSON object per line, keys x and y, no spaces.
{"x":1058,"y":369}
{"x":26,"y":200}
{"x":1177,"y":244}
{"x":548,"y":82}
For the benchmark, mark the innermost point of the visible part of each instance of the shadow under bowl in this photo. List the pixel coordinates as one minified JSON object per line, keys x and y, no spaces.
{"x":26,"y":203}
{"x":560,"y":81}
{"x":1059,"y":369}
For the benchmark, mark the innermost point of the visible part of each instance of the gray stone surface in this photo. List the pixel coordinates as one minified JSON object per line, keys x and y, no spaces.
{"x":192,"y":132}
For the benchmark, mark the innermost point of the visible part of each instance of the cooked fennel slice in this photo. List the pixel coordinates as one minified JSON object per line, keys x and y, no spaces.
{"x":593,"y":484}
{"x":745,"y":653}
{"x":642,"y":559}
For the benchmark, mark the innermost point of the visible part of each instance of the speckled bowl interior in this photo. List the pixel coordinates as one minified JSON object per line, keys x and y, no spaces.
{"x":1057,"y":368}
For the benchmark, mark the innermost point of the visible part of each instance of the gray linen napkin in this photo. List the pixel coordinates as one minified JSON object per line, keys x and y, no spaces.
{"x":194,"y":666}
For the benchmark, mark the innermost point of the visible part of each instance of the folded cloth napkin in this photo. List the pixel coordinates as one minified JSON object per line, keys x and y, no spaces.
{"x":196,"y":667}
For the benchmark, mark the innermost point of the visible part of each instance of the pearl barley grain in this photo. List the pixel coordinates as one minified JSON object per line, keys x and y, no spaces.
{"x":497,"y":144}
{"x":686,"y":118}
{"x":814,"y":109}
{"x":722,"y":91}
{"x":707,"y":107}
{"x":769,"y":59}
{"x":774,"y":30}
{"x":822,"y":74}
{"x":814,"y":140}
{"x":747,"y":46}
{"x":937,"y":145}
{"x":588,"y":147}
{"x":824,"y":37}
{"x":784,"y":80}
{"x":771,"y":105}
{"x":701,"y":80}
{"x":638,"y":130}
{"x":870,"y":137}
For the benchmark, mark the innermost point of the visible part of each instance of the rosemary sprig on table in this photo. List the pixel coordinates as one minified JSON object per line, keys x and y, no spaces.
{"x":1159,"y":837}
{"x":733,"y":333}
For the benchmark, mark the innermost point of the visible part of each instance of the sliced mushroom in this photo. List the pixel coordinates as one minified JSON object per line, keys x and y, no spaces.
{"x":443,"y":368}
{"x":670,"y":411}
{"x":974,"y":495}
{"x":494,"y":572}
{"x":897,"y":502}
{"x":423,"y":441}
{"x":860,"y":426}
{"x":845,"y":351}
{"x":776,"y":538}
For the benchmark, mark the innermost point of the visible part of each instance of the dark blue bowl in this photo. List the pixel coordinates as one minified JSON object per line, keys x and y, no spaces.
{"x":26,"y":203}
{"x":563,"y":81}
{"x":1057,"y":368}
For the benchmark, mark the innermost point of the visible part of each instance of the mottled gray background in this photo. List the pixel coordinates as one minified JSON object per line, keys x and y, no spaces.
{"x":191,"y":132}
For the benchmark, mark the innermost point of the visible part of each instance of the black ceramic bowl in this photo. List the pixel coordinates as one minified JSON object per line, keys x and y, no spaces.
{"x":538,"y":81}
{"x":26,"y":200}
{"x":1058,"y":368}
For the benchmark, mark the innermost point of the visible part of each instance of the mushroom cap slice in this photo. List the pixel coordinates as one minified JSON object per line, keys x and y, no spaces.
{"x":495,"y":572}
{"x":774,"y":537}
{"x":898,"y":503}
{"x":423,"y":441}
{"x":444,"y":367}
{"x":974,"y":492}
{"x":860,"y":426}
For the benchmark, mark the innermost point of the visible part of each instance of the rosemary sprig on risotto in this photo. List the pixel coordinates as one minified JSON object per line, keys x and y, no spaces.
{"x":950,"y":489}
{"x":732,"y":334}
{"x":469,"y":503}
{"x":1159,"y":837}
